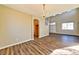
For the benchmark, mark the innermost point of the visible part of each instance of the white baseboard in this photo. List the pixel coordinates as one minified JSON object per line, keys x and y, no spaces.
{"x":43,"y":36}
{"x":15,"y":44}
{"x":67,"y":34}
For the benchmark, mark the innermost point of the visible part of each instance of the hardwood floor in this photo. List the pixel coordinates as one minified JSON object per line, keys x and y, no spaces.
{"x":42,"y":46}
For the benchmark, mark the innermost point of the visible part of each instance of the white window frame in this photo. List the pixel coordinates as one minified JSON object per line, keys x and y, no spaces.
{"x":68,"y":26}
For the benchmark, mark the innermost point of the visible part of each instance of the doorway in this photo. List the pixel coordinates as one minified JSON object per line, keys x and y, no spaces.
{"x":36,"y":28}
{"x":52,"y":27}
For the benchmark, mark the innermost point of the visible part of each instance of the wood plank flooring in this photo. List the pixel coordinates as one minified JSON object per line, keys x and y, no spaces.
{"x":42,"y":46}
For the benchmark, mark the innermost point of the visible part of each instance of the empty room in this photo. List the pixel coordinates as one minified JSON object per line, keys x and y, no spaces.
{"x":39,"y":29}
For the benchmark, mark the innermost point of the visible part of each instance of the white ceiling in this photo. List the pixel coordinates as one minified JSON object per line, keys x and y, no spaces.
{"x":37,"y":9}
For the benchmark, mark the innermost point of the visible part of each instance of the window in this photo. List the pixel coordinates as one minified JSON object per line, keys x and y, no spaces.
{"x":68,"y":26}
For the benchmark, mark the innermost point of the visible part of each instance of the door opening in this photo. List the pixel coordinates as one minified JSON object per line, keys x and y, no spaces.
{"x":52,"y":27}
{"x":36,"y":28}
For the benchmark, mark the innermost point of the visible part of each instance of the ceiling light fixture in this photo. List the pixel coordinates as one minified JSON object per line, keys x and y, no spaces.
{"x":44,"y":15}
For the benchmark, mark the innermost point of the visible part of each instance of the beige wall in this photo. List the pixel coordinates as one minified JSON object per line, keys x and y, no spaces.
{"x":14,"y":26}
{"x":71,"y":16}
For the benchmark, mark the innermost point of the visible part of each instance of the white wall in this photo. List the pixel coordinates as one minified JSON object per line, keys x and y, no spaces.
{"x":15,"y":26}
{"x":44,"y":29}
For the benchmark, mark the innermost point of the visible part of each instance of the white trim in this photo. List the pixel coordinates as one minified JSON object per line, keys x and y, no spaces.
{"x":43,"y":36}
{"x":15,"y":44}
{"x":65,"y":33}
